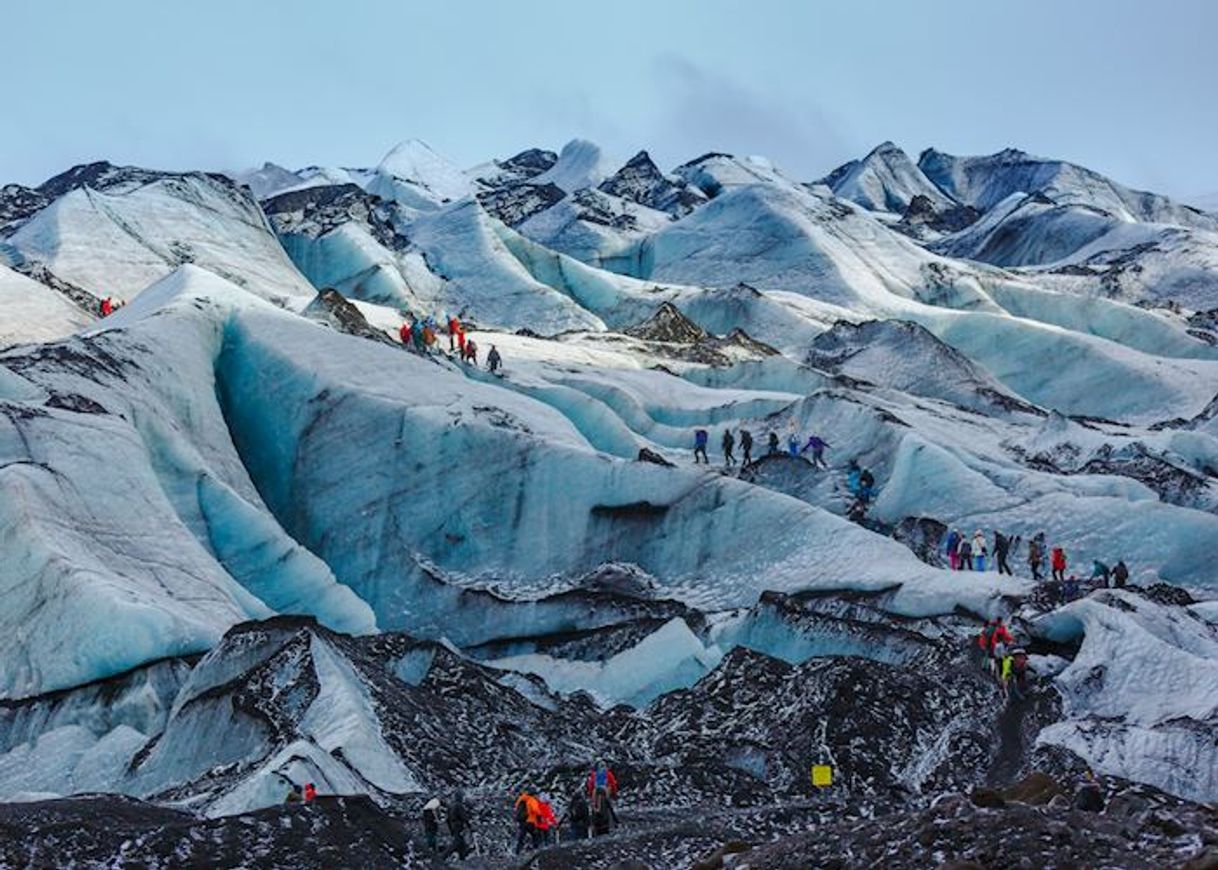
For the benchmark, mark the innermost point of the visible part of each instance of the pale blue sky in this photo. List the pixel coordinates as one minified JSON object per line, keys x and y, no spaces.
{"x":1123,"y":86}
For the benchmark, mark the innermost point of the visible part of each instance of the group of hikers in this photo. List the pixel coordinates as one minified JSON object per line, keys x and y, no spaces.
{"x":300,"y":795}
{"x":1005,"y":661}
{"x":456,"y":819}
{"x":423,"y":334}
{"x":815,"y":444}
{"x":965,"y":553}
{"x":860,"y":482}
{"x":590,"y":812}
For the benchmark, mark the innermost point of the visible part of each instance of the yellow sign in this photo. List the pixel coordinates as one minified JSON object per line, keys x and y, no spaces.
{"x":822,"y":775}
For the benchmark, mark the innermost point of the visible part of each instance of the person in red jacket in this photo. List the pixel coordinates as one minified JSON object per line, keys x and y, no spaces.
{"x":454,"y":326}
{"x":310,"y":792}
{"x":1058,"y":563}
{"x":107,"y":307}
{"x":546,"y":820}
{"x":998,"y":635}
{"x":602,"y":791}
{"x":602,"y":778}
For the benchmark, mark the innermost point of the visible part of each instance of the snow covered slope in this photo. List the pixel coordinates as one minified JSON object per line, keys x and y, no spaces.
{"x":885,"y":180}
{"x":986,"y":181}
{"x":34,"y":312}
{"x":113,"y":231}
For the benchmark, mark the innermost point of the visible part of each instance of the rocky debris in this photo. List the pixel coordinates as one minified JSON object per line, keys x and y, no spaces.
{"x":648,"y":455}
{"x":515,"y":204}
{"x":641,"y":181}
{"x":1201,"y":324}
{"x":923,"y":535}
{"x":519,"y":168}
{"x":18,"y":203}
{"x":1173,"y":482}
{"x":316,"y":211}
{"x":108,"y":830}
{"x":1165,"y":593}
{"x":953,"y":832}
{"x":673,"y":335}
{"x":921,"y":214}
{"x":668,"y":324}
{"x":332,"y":308}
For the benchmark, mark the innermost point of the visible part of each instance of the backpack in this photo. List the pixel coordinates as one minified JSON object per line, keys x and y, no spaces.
{"x":602,"y":779}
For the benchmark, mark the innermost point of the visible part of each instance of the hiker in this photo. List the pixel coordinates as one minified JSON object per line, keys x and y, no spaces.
{"x":1100,"y":571}
{"x":493,"y":360}
{"x":854,"y":478}
{"x":431,"y":824}
{"x":774,"y":448}
{"x":602,"y":791}
{"x":950,"y":542}
{"x":526,"y":820}
{"x":546,"y":822}
{"x":310,"y":792}
{"x":461,"y":341}
{"x":979,"y":550}
{"x":817,"y":445}
{"x":746,"y":446}
{"x":578,"y":813}
{"x":866,"y":485}
{"x":857,"y":512}
{"x":999,"y":639}
{"x":964,"y":555}
{"x":429,"y":337}
{"x":454,"y":327}
{"x":1120,"y":575}
{"x":603,"y":815}
{"x":1090,"y":796}
{"x":457,"y":819}
{"x":700,"y":438}
{"x":602,"y":777}
{"x":1002,"y":547}
{"x":1018,"y":673}
{"x":793,"y":445}
{"x":416,"y":334}
{"x":1070,"y":588}
{"x":107,"y":307}
{"x":1035,"y":556}
{"x":293,"y":796}
{"x":983,"y":643}
{"x":1058,"y":563}
{"x":404,"y":333}
{"x":728,"y":443}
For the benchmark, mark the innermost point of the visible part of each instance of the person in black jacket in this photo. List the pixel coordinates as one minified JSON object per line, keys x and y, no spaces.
{"x":431,"y":824}
{"x":746,"y":445}
{"x":458,"y":824}
{"x":728,"y":443}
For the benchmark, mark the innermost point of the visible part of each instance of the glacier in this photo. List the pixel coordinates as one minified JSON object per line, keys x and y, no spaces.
{"x":252,"y":539}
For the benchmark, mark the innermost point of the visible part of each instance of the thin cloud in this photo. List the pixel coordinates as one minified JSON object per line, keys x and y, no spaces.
{"x":704,"y":110}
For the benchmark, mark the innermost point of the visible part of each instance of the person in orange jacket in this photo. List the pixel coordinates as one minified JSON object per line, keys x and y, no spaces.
{"x":454,"y":326}
{"x":528,"y":812}
{"x":310,"y":792}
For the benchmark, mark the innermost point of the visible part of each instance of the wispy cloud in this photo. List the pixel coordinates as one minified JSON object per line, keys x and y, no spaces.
{"x":702,"y":109}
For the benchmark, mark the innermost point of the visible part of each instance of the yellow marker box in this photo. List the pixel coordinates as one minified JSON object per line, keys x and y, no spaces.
{"x":822,"y":775}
